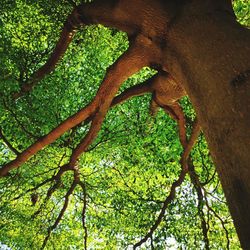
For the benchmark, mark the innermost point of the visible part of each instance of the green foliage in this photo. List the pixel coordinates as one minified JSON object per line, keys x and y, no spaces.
{"x":242,"y":11}
{"x":128,"y":170}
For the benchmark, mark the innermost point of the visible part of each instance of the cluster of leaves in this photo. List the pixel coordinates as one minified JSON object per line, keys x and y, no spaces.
{"x":242,"y":11}
{"x":129,"y":169}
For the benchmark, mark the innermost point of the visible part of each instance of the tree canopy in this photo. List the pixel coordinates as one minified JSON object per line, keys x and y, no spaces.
{"x":131,"y":184}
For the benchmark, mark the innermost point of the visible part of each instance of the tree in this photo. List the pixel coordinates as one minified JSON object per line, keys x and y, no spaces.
{"x":196,"y":48}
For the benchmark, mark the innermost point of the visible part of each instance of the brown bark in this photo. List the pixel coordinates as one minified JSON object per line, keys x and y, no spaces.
{"x":213,"y":64}
{"x":129,"y":63}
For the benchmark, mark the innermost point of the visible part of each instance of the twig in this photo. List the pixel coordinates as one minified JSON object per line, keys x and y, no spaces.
{"x":69,"y":29}
{"x":19,"y":123}
{"x":133,"y":191}
{"x":5,"y":140}
{"x":167,"y":201}
{"x":33,"y":189}
{"x":197,"y":186}
{"x":65,"y":205}
{"x":222,"y":223}
{"x":84,"y":209}
{"x":52,"y":189}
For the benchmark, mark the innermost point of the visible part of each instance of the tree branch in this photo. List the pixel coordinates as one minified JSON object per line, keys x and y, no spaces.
{"x":129,"y":63}
{"x":199,"y":187}
{"x":59,"y":218}
{"x":85,"y":13}
{"x":72,"y":23}
{"x":19,"y":123}
{"x":33,"y":189}
{"x":195,"y":180}
{"x":137,"y":90}
{"x":133,"y":191}
{"x":49,"y":138}
{"x":84,"y":210}
{"x":52,"y":189}
{"x":9,"y":145}
{"x":176,"y":112}
{"x":177,"y":183}
{"x":222,"y":223}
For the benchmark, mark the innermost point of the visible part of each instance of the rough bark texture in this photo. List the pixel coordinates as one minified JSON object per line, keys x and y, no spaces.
{"x":213,"y":64}
{"x":197,"y":44}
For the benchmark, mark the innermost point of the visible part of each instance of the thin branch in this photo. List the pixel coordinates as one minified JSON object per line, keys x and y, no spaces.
{"x":195,"y":180}
{"x":152,"y":243}
{"x":19,"y":123}
{"x":69,"y":29}
{"x":84,"y":209}
{"x":204,"y":166}
{"x":9,"y":145}
{"x":108,"y":139}
{"x":212,"y":195}
{"x":208,"y":180}
{"x":176,"y":112}
{"x":167,"y":201}
{"x":33,"y":189}
{"x":42,"y":183}
{"x":47,"y":171}
{"x":177,"y":183}
{"x":107,"y":207}
{"x":137,"y":90}
{"x":52,"y":189}
{"x":59,"y":218}
{"x":133,"y":191}
{"x":195,"y":133}
{"x":222,"y":223}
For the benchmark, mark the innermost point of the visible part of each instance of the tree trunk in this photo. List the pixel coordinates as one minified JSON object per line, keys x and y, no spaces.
{"x":209,"y":52}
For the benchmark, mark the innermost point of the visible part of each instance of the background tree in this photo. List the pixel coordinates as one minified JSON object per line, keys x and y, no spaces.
{"x":120,"y":192}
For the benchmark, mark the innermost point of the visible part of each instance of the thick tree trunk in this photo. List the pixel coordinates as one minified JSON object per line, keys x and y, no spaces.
{"x":210,"y":54}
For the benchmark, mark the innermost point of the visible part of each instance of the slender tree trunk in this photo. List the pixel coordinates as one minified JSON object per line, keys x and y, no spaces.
{"x":210,"y":54}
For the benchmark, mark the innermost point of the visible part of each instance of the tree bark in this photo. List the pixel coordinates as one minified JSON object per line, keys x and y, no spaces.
{"x":209,"y":52}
